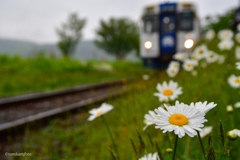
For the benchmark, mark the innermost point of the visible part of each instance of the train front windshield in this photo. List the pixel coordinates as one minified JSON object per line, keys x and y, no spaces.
{"x":186,"y":21}
{"x":168,"y":24}
{"x":150,"y":23}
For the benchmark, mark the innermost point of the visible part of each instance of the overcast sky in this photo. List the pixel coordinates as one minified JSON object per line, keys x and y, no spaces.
{"x":36,"y":20}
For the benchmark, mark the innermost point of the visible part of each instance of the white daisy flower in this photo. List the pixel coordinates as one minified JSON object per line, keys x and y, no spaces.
{"x":205,"y":131}
{"x":237,"y":52}
{"x":233,"y":134}
{"x":238,"y":65}
{"x":226,"y":45}
{"x":203,"y":107}
{"x":229,"y":108}
{"x":221,"y":59}
{"x":172,"y":72}
{"x":149,"y":118}
{"x":173,"y":68}
{"x":168,"y":92}
{"x":234,"y":81}
{"x":189,"y":64}
{"x":174,"y":64}
{"x":225,"y":34}
{"x":200,"y":51}
{"x":181,"y":119}
{"x":150,"y":156}
{"x":145,"y":77}
{"x":96,"y":112}
{"x":211,"y":57}
{"x":237,"y":37}
{"x":210,"y":34}
{"x":180,"y":56}
{"x":237,"y":105}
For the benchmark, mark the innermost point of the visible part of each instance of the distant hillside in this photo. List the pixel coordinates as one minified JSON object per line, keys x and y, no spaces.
{"x":85,"y":50}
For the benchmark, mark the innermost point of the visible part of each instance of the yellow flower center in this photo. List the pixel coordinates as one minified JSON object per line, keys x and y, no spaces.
{"x":168,"y":92}
{"x":178,"y":119}
{"x":169,"y":150}
{"x":201,"y":51}
{"x":237,"y":80}
{"x":189,"y":65}
{"x":172,"y":71}
{"x":99,"y":112}
{"x":211,"y":55}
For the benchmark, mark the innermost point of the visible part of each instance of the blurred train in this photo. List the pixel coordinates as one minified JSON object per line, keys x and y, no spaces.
{"x":165,"y":29}
{"x":236,"y":19}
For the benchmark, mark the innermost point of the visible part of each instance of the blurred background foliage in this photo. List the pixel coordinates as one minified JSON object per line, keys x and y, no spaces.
{"x":218,"y":22}
{"x":70,"y":33}
{"x":52,"y":72}
{"x":118,"y":37}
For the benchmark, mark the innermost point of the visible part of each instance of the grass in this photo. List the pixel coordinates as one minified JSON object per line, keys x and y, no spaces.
{"x":76,"y":138}
{"x":18,"y":75}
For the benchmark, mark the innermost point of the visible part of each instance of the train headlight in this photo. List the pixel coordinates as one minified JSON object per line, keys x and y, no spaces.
{"x":188,"y":43}
{"x":148,"y":44}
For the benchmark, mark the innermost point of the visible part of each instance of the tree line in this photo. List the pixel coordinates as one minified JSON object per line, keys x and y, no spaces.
{"x":117,"y":36}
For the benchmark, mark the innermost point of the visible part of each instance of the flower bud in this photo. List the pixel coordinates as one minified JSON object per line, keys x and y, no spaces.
{"x":194,"y":72}
{"x":233,"y":134}
{"x":229,"y":108}
{"x":169,"y":150}
{"x":237,"y":105}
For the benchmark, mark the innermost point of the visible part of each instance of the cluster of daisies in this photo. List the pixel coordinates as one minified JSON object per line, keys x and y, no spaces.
{"x":226,"y":39}
{"x":203,"y":54}
{"x":190,"y":62}
{"x":227,"y":43}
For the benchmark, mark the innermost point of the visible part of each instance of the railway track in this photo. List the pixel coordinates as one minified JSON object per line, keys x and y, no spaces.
{"x":16,"y":112}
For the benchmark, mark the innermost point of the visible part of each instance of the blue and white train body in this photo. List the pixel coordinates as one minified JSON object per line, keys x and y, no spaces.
{"x":166,"y":29}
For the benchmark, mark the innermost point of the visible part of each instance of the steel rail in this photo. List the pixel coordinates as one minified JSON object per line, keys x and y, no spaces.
{"x":34,"y":96}
{"x":8,"y":127}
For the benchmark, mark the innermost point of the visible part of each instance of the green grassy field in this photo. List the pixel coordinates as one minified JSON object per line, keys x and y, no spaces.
{"x":76,"y":138}
{"x":20,"y":76}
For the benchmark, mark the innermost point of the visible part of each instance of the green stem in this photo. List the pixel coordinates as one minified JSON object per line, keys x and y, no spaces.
{"x":200,"y":140}
{"x":110,"y":134}
{"x":232,"y":120}
{"x":169,"y":141}
{"x":224,"y":153}
{"x":175,"y":147}
{"x":187,"y":146}
{"x":171,"y":103}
